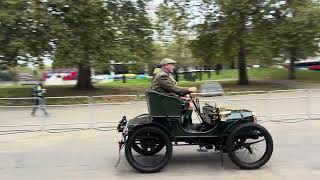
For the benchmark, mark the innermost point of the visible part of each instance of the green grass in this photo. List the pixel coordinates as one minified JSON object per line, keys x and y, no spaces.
{"x":225,"y":74}
{"x":263,"y":73}
{"x":106,"y":89}
{"x":275,"y":73}
{"x":139,"y":86}
{"x":309,"y":76}
{"x":268,"y":73}
{"x":230,"y":74}
{"x":129,"y":83}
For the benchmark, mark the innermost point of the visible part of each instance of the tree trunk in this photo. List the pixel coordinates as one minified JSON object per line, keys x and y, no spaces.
{"x":232,"y":64}
{"x":242,"y":66}
{"x":84,"y":76}
{"x":84,"y":72}
{"x":243,"y":76}
{"x":292,"y":71}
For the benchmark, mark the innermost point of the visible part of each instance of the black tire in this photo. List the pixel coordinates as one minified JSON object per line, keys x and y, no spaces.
{"x":159,"y":136}
{"x":143,"y":150}
{"x":237,"y":141}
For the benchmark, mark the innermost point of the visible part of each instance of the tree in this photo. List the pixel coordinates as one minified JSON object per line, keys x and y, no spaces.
{"x":235,"y":26}
{"x":82,"y":33}
{"x":226,"y":28}
{"x":248,"y":28}
{"x":92,"y":32}
{"x":296,"y":31}
{"x":180,"y":51}
{"x":137,"y":31}
{"x":174,"y":33}
{"x":89,"y":33}
{"x":23,"y":34}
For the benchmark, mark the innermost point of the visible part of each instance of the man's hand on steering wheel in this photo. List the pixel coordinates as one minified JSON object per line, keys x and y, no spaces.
{"x":192,"y":89}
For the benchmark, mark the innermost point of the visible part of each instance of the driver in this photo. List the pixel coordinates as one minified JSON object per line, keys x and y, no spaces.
{"x":164,"y":83}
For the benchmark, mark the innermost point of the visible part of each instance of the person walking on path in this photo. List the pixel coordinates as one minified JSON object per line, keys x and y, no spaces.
{"x":39,"y":91}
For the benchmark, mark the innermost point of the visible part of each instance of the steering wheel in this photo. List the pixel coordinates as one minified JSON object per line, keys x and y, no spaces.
{"x":196,"y":105}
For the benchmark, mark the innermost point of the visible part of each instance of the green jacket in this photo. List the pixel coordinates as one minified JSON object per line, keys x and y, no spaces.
{"x":164,"y":83}
{"x":37,"y":89}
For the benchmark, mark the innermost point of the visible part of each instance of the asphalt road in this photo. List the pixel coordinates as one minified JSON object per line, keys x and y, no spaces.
{"x":91,"y":154}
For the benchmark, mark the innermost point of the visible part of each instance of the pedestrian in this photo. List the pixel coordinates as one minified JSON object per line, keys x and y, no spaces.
{"x":218,"y":68}
{"x":38,"y":92}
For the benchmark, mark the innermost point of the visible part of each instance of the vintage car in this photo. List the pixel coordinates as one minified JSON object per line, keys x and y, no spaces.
{"x":148,"y":139}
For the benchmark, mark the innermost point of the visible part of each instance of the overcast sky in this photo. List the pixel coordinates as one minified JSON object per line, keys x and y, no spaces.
{"x":152,"y":6}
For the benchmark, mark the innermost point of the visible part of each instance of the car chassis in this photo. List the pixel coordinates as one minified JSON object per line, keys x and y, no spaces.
{"x":148,"y":139}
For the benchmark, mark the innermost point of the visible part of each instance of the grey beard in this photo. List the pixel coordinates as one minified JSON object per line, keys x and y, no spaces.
{"x":166,"y":70}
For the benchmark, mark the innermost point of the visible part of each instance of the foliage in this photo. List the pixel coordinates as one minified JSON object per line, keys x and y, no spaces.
{"x":178,"y":50}
{"x":257,"y":31}
{"x":91,"y":33}
{"x":296,"y":31}
{"x":174,"y":32}
{"x":8,"y":75}
{"x":81,"y":33}
{"x":23,"y":33}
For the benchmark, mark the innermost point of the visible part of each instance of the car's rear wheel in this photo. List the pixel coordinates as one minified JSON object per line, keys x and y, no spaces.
{"x":250,"y":146}
{"x":148,"y":149}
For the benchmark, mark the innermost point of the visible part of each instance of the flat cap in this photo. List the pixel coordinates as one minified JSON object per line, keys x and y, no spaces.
{"x":167,"y":61}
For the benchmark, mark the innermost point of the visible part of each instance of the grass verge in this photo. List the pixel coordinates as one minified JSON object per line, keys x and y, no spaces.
{"x":227,"y":79}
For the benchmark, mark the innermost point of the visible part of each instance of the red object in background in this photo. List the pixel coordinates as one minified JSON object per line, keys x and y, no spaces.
{"x":315,"y":67}
{"x":72,"y":76}
{"x":64,"y":73}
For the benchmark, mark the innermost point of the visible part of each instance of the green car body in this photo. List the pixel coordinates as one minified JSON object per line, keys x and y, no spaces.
{"x":165,"y":112}
{"x":221,"y":129}
{"x":174,"y":129}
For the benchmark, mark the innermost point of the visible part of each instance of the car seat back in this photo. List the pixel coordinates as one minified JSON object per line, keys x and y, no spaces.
{"x":163,"y":105}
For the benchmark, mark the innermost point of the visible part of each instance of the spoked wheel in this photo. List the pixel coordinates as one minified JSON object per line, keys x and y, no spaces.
{"x":148,"y":149}
{"x":250,"y":146}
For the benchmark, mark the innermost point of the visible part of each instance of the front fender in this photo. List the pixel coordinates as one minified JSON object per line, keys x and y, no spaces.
{"x":236,"y":118}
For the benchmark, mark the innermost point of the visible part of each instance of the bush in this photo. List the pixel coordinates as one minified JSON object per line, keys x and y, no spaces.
{"x":8,"y":75}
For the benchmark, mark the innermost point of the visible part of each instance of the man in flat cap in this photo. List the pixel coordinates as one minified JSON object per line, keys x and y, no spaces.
{"x":163,"y":82}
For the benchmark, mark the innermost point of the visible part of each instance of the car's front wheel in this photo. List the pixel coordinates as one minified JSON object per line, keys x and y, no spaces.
{"x":250,"y":146}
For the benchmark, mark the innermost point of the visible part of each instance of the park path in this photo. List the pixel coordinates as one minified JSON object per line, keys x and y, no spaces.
{"x":294,"y":84}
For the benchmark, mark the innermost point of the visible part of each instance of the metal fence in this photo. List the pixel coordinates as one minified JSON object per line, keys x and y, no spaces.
{"x":103,"y":112}
{"x":280,"y":105}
